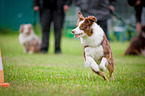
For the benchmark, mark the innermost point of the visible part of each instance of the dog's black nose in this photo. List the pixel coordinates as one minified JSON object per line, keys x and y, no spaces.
{"x":73,"y":32}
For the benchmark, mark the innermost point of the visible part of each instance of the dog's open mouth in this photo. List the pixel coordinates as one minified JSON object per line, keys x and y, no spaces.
{"x":78,"y":35}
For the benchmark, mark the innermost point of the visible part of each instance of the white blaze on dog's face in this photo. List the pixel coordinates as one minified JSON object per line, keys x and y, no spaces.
{"x":26,"y":29}
{"x":84,"y":26}
{"x":77,"y":31}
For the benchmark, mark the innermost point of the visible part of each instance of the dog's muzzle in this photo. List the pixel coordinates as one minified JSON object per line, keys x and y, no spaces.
{"x":73,"y":32}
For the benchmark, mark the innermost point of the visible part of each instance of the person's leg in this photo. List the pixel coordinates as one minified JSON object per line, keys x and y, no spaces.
{"x":103,"y":24}
{"x":58,"y":19}
{"x":45,"y":20}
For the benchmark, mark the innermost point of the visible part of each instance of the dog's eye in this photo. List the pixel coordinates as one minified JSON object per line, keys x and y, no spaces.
{"x":29,"y":28}
{"x":83,"y":27}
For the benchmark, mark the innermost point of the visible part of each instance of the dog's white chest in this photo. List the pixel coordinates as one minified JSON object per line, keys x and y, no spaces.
{"x":95,"y":52}
{"x":23,"y":38}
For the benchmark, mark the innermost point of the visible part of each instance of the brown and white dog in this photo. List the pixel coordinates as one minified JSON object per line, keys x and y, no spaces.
{"x":28,"y":39}
{"x":97,"y":51}
{"x":137,"y":45}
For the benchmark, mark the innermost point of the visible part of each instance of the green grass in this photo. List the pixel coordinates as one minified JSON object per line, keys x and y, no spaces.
{"x":65,"y":75}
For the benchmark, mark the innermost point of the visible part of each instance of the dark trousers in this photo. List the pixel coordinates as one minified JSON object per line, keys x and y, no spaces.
{"x":48,"y":16}
{"x":103,"y":24}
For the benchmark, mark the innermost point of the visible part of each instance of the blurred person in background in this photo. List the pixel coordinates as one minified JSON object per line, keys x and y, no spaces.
{"x":98,"y":8}
{"x":138,"y":5}
{"x":51,"y":11}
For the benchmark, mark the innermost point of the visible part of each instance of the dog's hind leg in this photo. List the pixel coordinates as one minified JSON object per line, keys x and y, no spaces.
{"x":111,"y":75}
{"x":110,"y":69}
{"x":90,"y":61}
{"x":103,"y":64}
{"x":101,"y":74}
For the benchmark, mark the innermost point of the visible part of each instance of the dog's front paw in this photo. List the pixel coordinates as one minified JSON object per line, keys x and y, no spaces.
{"x":143,"y":52}
{"x":30,"y":52}
{"x":25,"y":51}
{"x":102,"y":67}
{"x":86,"y":64}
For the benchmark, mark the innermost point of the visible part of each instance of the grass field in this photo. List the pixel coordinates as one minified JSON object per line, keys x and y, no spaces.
{"x":65,"y":75}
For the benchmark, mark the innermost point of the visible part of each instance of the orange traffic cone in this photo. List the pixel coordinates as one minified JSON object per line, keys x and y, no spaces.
{"x":2,"y":84}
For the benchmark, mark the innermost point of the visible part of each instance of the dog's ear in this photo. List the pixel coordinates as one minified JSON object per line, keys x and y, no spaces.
{"x":21,"y":28}
{"x":30,"y":26}
{"x":90,"y":20}
{"x":143,"y":28}
{"x":81,"y":17}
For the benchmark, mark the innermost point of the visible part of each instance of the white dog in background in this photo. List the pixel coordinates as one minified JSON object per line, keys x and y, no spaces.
{"x":97,"y":50}
{"x":28,"y":39}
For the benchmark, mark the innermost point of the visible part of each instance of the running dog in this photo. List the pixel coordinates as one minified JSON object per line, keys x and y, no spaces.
{"x":97,"y":51}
